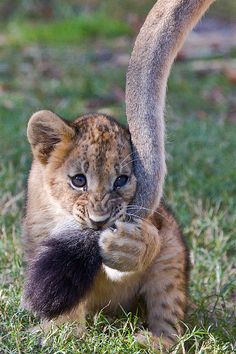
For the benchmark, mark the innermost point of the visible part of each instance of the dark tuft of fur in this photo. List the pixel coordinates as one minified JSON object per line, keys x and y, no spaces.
{"x":62,"y":272}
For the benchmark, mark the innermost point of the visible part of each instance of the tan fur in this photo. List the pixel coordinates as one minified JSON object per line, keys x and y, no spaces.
{"x":156,"y":46}
{"x":141,"y":258}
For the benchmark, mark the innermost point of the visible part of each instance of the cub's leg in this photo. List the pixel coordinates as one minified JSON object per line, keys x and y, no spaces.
{"x":165,"y":286}
{"x":131,"y":246}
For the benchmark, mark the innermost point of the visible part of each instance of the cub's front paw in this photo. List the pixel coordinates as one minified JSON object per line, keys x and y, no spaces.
{"x":129,"y":246}
{"x":122,"y":248}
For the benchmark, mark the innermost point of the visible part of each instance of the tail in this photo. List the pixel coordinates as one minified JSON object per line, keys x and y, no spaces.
{"x":156,"y":46}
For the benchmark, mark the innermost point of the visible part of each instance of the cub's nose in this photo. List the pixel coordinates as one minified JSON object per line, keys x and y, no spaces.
{"x":98,"y":222}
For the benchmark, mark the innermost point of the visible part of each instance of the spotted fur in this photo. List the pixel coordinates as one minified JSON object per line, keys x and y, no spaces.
{"x":141,"y":257}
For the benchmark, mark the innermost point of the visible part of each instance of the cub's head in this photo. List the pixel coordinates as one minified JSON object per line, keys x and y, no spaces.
{"x":86,"y":166}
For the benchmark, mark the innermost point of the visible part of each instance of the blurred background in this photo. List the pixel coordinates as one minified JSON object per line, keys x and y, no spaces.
{"x":71,"y":56}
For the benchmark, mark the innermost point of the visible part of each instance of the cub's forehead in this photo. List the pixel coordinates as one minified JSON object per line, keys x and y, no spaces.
{"x":98,"y":133}
{"x":100,"y":128}
{"x":101,"y":143}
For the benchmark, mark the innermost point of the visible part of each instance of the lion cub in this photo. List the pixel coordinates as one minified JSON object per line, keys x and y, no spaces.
{"x":82,"y":174}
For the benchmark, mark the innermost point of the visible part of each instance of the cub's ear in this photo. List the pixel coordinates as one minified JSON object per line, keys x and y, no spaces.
{"x":45,"y":130}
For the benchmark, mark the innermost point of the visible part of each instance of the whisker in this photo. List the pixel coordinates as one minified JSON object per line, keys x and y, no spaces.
{"x":139,"y":217}
{"x":148,"y":209}
{"x":126,"y":157}
{"x":131,"y":161}
{"x":136,"y":216}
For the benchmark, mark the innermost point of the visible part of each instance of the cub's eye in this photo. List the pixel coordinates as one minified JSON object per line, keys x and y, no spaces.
{"x":78,"y":181}
{"x":120,"y":181}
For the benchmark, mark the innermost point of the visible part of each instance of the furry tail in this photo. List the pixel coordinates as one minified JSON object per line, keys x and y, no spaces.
{"x":62,"y":273}
{"x":156,"y":46}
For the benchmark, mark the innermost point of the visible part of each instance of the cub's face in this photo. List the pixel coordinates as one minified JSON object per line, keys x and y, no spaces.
{"x":87,"y":166}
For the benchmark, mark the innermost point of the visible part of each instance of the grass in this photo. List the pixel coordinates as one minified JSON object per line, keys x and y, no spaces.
{"x":68,"y":31}
{"x":200,"y":187}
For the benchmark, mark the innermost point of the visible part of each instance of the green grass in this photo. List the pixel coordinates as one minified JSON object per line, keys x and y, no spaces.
{"x":68,"y":31}
{"x":200,"y":187}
